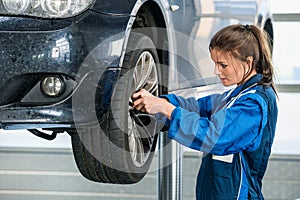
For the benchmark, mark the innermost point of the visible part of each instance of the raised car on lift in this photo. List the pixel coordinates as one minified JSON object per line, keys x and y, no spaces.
{"x":72,"y":66}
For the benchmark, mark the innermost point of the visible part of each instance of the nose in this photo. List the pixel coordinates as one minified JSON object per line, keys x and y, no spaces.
{"x":217,"y":71}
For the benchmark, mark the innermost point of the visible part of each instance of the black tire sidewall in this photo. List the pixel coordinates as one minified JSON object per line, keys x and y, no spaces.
{"x":137,"y":44}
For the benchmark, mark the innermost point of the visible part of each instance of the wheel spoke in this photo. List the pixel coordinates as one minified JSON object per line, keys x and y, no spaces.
{"x":137,"y":148}
{"x":145,"y":74}
{"x":140,"y":142}
{"x":152,"y":86}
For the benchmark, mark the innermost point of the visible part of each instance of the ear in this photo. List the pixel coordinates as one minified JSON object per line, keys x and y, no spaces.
{"x":249,"y":61}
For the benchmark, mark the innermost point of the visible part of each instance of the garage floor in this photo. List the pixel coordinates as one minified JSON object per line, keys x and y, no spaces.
{"x":51,"y":174}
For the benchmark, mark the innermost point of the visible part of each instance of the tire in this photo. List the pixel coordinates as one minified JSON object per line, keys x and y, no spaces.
{"x":121,"y":147}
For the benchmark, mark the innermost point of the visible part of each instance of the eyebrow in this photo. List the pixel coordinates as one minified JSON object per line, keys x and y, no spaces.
{"x":221,"y":62}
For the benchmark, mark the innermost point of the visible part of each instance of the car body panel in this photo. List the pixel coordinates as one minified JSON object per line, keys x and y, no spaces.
{"x":67,"y":51}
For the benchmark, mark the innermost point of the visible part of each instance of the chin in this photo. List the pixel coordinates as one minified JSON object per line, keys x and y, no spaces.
{"x":226,"y":84}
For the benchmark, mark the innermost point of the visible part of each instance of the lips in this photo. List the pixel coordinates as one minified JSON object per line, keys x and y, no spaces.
{"x":222,"y":79}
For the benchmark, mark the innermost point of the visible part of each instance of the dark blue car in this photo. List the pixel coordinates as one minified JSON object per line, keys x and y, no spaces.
{"x":72,"y":66}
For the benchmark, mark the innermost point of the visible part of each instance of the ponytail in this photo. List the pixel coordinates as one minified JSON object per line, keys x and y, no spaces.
{"x":264,"y":65}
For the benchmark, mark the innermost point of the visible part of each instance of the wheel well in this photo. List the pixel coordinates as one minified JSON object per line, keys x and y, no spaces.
{"x":150,"y":21}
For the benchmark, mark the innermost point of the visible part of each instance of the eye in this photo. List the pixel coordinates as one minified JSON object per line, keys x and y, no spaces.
{"x":223,"y":65}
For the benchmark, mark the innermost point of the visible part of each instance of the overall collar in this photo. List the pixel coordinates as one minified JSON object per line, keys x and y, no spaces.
{"x":253,"y":80}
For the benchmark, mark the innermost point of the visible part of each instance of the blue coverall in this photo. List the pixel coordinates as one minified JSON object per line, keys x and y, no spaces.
{"x":235,"y":130}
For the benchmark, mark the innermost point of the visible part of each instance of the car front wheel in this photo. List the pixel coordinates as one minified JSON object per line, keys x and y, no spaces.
{"x":121,"y":148}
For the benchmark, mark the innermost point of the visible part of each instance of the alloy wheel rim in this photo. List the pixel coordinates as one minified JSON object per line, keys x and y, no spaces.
{"x":140,"y":138}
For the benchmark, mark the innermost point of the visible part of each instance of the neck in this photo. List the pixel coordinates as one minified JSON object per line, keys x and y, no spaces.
{"x":248,"y":77}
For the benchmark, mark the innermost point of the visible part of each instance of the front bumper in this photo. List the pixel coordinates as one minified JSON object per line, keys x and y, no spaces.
{"x":78,"y":49}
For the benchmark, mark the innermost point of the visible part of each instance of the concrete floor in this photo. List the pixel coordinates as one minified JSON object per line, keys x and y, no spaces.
{"x":51,"y":174}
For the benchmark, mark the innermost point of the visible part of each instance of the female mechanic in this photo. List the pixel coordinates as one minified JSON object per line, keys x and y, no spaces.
{"x":234,"y":130}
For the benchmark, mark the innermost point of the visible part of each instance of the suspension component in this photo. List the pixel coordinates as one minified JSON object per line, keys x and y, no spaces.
{"x":43,"y":134}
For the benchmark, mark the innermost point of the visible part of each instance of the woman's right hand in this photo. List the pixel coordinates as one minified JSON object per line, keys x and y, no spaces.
{"x":146,"y":102}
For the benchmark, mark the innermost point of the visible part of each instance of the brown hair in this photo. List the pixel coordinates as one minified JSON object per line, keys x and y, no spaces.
{"x":242,"y":41}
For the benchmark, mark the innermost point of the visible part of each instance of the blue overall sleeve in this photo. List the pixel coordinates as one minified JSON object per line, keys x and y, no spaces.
{"x":228,"y":131}
{"x":203,"y":106}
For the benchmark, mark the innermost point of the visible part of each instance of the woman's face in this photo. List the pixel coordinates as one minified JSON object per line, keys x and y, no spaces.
{"x":230,"y":70}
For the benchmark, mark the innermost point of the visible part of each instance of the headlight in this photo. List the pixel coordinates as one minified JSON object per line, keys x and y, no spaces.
{"x":57,"y":7}
{"x":45,"y":8}
{"x":16,"y":6}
